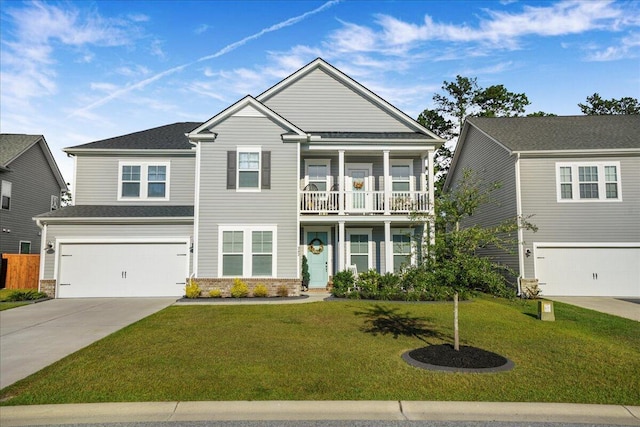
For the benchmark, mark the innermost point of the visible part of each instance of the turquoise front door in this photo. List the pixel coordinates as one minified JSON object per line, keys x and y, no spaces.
{"x":318,"y":258}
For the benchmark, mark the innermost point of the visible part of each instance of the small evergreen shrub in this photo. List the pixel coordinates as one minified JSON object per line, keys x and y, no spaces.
{"x":260,"y":291}
{"x":215,"y":293}
{"x":282,"y":291}
{"x":192,"y":290}
{"x":343,"y":283}
{"x":239,"y":289}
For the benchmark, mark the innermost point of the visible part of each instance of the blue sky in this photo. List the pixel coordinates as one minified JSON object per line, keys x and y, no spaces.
{"x":80,"y":71}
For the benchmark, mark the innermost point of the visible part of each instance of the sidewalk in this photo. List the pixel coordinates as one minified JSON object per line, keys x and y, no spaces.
{"x":318,"y":410}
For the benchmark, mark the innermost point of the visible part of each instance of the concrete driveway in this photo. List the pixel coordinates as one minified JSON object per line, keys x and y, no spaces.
{"x":628,"y":308}
{"x":36,"y":335}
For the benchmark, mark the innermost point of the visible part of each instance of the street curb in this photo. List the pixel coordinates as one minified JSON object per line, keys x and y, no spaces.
{"x":318,"y":410}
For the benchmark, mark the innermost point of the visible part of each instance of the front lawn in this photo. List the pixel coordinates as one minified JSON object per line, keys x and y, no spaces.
{"x":346,"y":350}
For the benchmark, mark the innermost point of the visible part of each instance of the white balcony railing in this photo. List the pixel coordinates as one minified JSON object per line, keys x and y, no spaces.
{"x":363,"y":202}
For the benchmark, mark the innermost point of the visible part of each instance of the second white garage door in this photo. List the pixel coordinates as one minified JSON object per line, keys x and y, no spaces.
{"x":588,"y":271}
{"x":122,"y":269}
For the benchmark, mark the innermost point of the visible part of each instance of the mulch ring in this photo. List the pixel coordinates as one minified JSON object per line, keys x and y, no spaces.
{"x":443,"y":357}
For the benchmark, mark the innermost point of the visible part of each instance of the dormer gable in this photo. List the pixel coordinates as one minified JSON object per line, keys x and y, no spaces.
{"x":246,"y":107}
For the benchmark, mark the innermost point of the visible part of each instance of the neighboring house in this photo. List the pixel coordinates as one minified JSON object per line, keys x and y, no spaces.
{"x":580,"y":178}
{"x":317,"y":165}
{"x":30,"y":184}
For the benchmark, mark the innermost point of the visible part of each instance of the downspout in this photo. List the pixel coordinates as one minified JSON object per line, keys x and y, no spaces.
{"x":520,"y":230}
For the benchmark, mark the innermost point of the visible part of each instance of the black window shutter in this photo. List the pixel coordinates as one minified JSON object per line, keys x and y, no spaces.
{"x":266,"y":170}
{"x":231,"y":170}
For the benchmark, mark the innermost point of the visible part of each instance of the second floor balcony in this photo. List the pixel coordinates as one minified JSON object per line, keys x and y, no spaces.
{"x":363,"y":202}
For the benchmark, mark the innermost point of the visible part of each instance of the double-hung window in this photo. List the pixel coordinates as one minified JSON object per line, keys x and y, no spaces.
{"x":248,"y":169}
{"x":588,"y":181}
{"x":401,"y":172}
{"x":318,"y":171}
{"x":247,"y":251}
{"x":401,"y":249}
{"x":143,"y":181}
{"x":359,"y":248}
{"x":5,"y":192}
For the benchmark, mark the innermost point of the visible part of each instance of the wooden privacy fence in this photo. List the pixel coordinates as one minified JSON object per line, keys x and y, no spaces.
{"x":22,"y":272}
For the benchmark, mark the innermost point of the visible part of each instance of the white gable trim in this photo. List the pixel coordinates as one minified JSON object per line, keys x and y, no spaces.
{"x":319,"y":63}
{"x":245,"y":106}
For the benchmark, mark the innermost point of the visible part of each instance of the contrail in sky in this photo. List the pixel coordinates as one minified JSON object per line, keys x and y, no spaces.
{"x":224,"y":50}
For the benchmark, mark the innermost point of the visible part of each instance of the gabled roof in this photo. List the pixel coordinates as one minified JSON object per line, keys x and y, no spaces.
{"x":167,"y":137}
{"x":247,"y":106}
{"x":558,"y":133}
{"x":13,"y":146}
{"x":319,"y":63}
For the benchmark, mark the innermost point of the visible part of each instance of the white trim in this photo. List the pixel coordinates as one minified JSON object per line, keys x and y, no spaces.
{"x":20,"y":247}
{"x":325,"y":229}
{"x":402,"y":162}
{"x":99,"y":240}
{"x":521,"y":249}
{"x":144,"y":179}
{"x":43,"y":242}
{"x":412,"y":251}
{"x":248,"y":149}
{"x":318,"y":162}
{"x":360,"y":231}
{"x":247,"y":247}
{"x":196,"y":212}
{"x":298,"y":209}
{"x":575,"y":181}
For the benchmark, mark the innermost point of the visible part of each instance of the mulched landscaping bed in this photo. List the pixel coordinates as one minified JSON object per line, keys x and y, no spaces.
{"x":468,"y":359}
{"x":265,"y":299}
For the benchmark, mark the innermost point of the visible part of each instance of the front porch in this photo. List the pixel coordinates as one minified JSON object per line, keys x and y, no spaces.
{"x":363,"y":202}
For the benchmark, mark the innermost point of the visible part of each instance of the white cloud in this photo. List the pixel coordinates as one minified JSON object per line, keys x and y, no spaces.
{"x":629,"y":47}
{"x":202,"y":28}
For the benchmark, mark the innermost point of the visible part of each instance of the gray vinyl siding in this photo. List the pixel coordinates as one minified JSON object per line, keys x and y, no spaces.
{"x":319,"y":102}
{"x":97,"y":179}
{"x":579,"y":221}
{"x":97,"y":231}
{"x":32,"y":185}
{"x":275,"y":206}
{"x":491,"y":163}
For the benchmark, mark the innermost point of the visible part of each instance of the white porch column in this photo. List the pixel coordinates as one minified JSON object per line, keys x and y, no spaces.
{"x":341,"y":246}
{"x":388,"y":248}
{"x":341,"y":185}
{"x":387,"y":181}
{"x":430,"y":181}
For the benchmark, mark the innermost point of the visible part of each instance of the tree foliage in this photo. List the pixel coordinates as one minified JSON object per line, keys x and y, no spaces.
{"x":595,"y":105}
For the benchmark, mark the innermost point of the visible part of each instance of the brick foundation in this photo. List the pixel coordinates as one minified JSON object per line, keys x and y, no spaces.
{"x":48,"y":286}
{"x":224,"y":284}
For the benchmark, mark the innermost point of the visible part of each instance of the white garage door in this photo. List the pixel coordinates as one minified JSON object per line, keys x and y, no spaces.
{"x":588,"y":271}
{"x":122,"y":269}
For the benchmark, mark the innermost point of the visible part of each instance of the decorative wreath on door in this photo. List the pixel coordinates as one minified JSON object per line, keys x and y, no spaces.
{"x":316,"y":249}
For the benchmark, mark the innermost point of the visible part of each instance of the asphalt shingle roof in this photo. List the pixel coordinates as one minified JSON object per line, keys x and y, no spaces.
{"x":99,"y":211}
{"x":12,"y":145}
{"x":562,"y":132}
{"x":167,"y":137}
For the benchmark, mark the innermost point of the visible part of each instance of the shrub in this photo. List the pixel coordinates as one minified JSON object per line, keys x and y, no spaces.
{"x":306,"y":277}
{"x":239,"y":289}
{"x":215,"y":293}
{"x":343,"y":283}
{"x":367,"y":284}
{"x":260,"y":291}
{"x":192,"y":290}
{"x":25,"y":295}
{"x":282,"y":291}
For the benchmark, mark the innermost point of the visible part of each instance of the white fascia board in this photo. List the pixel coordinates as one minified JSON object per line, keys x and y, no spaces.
{"x":355,"y":219}
{"x":579,"y":153}
{"x":103,"y":239}
{"x":370,"y":147}
{"x":586,"y":244}
{"x":240,"y":105}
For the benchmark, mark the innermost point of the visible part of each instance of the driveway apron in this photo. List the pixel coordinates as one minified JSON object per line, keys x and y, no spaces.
{"x":36,"y":335}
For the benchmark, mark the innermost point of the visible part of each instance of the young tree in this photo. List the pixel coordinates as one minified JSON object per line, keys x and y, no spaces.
{"x":595,"y":105}
{"x":454,"y":259}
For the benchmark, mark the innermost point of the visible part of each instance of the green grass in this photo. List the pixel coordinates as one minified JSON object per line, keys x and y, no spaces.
{"x":4,"y":304}
{"x":346,"y":350}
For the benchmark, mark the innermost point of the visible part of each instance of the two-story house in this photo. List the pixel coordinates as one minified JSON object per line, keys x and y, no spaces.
{"x":30,"y":184}
{"x":579,"y":176}
{"x":317,"y":165}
